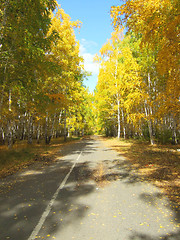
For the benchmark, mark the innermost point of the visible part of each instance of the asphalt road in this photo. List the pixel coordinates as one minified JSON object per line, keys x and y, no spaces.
{"x":90,"y":193}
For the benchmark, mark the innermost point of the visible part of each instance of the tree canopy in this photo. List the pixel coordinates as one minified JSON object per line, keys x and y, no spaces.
{"x":42,"y":94}
{"x":138,"y":85}
{"x":41,"y":73}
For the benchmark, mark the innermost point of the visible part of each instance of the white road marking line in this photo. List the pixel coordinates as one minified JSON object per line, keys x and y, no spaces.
{"x":49,"y":206}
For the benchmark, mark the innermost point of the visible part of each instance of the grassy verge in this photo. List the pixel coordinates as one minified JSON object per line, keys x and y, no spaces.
{"x":159,"y":164}
{"x":23,"y":155}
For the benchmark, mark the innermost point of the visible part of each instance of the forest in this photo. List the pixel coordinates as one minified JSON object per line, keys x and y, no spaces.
{"x":41,"y":73}
{"x":42,"y":95}
{"x":138,"y":90}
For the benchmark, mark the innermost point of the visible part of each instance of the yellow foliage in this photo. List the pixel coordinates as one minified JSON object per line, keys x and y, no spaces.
{"x":157,"y":21}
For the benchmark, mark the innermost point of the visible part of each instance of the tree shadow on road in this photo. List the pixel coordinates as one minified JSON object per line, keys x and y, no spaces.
{"x":122,"y":170}
{"x":139,"y":236}
{"x":159,"y":164}
{"x":25,"y":196}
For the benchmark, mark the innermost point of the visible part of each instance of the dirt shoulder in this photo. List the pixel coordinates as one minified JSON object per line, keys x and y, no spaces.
{"x":159,"y":164}
{"x":22,"y":155}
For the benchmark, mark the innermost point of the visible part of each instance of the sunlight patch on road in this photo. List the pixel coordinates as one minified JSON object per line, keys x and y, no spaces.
{"x":31,"y":172}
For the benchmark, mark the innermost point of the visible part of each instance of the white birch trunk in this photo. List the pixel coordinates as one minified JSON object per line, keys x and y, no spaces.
{"x":174,"y":135}
{"x":38,"y":133}
{"x":10,"y":100}
{"x":52,"y":128}
{"x":46,"y":128}
{"x":119,"y":119}
{"x":124,"y":127}
{"x":149,"y":125}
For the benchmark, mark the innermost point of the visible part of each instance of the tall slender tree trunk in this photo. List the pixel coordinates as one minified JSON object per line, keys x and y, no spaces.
{"x":24,"y":127}
{"x":52,"y":128}
{"x":58,"y":131}
{"x":60,"y":115}
{"x":119,"y":119}
{"x":46,"y":128}
{"x":174,"y":134}
{"x":150,"y":128}
{"x":148,"y":111}
{"x":38,"y":133}
{"x":65,"y":127}
{"x":3,"y":135}
{"x":30,"y":130}
{"x":9,"y":135}
{"x":151,"y":132}
{"x":124,"y":126}
{"x":10,"y":100}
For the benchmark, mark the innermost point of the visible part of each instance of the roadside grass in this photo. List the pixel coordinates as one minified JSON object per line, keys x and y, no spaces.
{"x":23,"y":154}
{"x":159,"y":164}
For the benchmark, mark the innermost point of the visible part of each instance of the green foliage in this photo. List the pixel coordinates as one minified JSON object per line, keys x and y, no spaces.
{"x":164,"y":136}
{"x":23,"y":38}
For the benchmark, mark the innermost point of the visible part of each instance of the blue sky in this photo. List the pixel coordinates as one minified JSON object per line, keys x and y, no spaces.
{"x":96,"y":29}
